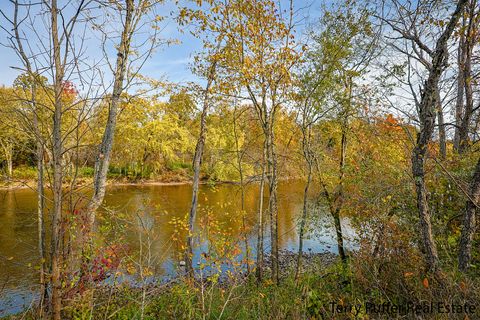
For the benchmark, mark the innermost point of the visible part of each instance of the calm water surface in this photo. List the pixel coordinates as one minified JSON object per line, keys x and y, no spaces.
{"x":153,"y":207}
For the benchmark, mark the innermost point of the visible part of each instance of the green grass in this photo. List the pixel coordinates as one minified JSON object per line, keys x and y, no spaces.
{"x":311,"y":298}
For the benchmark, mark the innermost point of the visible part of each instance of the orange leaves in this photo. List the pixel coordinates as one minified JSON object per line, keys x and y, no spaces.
{"x":425,"y":283}
{"x":391,"y":120}
{"x":391,"y":123}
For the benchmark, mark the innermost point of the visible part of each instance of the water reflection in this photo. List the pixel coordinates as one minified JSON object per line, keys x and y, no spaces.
{"x":143,"y":214}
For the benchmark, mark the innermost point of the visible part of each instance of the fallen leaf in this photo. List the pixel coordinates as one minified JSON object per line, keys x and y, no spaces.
{"x":425,"y":283}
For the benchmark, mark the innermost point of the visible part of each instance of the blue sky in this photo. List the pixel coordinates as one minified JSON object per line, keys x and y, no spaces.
{"x":171,"y":62}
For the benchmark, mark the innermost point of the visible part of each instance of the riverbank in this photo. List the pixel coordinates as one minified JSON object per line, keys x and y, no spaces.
{"x":26,"y":177}
{"x":325,"y":289}
{"x":31,"y":183}
{"x":12,"y":184}
{"x":179,"y":298}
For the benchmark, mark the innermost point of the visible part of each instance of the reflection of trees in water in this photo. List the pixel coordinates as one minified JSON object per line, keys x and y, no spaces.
{"x":18,"y":242}
{"x":130,"y":209}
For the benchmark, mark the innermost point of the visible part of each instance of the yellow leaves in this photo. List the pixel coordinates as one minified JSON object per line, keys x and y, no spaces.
{"x":147,"y":272}
{"x":268,"y":282}
{"x":408,"y":274}
{"x":387,"y":198}
{"x":131,"y":269}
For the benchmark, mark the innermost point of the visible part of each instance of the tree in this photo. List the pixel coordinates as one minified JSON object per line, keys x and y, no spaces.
{"x":333,"y":63}
{"x":32,"y":89}
{"x":131,"y":19}
{"x":11,"y":135}
{"x":259,"y":58}
{"x":464,"y":109}
{"x":469,"y":221}
{"x":213,"y":44}
{"x":427,"y":107}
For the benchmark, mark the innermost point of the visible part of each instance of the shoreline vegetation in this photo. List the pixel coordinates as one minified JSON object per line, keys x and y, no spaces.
{"x":375,"y":107}
{"x":158,"y":298}
{"x":172,"y":178}
{"x":327,"y":288}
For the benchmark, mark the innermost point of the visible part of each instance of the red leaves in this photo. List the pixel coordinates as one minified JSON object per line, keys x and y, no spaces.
{"x":69,"y":89}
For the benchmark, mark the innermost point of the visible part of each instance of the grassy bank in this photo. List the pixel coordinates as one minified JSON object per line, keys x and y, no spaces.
{"x":327,"y":289}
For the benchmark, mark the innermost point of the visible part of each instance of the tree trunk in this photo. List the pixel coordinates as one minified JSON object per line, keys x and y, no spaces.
{"x":339,"y":233}
{"x":460,"y":91}
{"x":40,"y":167}
{"x":272,"y":203}
{"x":442,"y":136}
{"x":197,"y":162}
{"x":336,"y":204}
{"x":10,"y":163}
{"x":467,"y":78}
{"x":339,"y":196}
{"x":105,"y":149}
{"x":260,"y":247}
{"x":56,"y":257}
{"x":469,"y":221}
{"x":428,"y":105}
{"x":308,"y":159}
{"x":41,"y":225}
{"x":40,"y":204}
{"x":8,"y":150}
{"x":242,"y":190}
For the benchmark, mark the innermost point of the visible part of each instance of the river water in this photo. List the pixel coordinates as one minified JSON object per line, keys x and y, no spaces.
{"x":130,"y":210}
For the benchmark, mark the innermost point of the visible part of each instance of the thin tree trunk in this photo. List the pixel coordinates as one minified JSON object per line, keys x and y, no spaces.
{"x":9,"y":155}
{"x":105,"y":150}
{"x":339,"y":233}
{"x":41,"y":225}
{"x":8,"y":150}
{"x":427,"y":117}
{"x":335,"y":199}
{"x":339,"y":195}
{"x":442,"y":137}
{"x":242,"y":190}
{"x":40,"y":204}
{"x":40,"y":167}
{"x":307,"y":155}
{"x":467,"y":78}
{"x":266,"y":118}
{"x":469,"y":221}
{"x":336,"y":204}
{"x":460,"y":90}
{"x":259,"y":270}
{"x":56,"y":257}
{"x":272,"y":204}
{"x":197,"y":162}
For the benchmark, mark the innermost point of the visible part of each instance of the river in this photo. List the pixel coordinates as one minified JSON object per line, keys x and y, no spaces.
{"x":154,"y":207}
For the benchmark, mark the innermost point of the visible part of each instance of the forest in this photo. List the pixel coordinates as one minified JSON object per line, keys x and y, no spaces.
{"x":313,"y":160}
